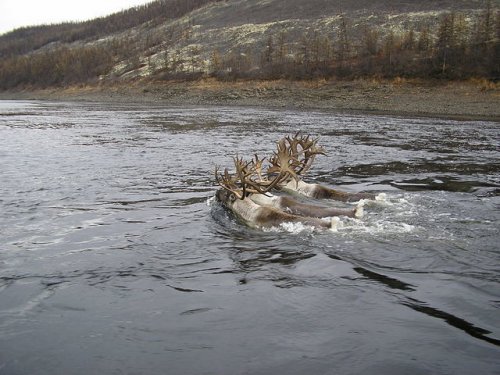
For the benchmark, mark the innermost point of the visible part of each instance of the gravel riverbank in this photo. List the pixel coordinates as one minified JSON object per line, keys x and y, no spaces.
{"x":461,"y":100}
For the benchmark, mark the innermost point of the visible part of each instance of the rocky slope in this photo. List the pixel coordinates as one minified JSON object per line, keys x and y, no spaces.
{"x":201,"y":37}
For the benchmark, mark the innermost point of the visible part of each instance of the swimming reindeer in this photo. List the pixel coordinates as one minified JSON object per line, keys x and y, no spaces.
{"x":247,"y":192}
{"x":251,"y":202}
{"x":299,"y":152}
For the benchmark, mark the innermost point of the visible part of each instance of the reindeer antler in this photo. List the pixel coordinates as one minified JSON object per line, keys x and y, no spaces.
{"x":247,"y":179}
{"x":229,"y":182}
{"x":309,"y":149}
{"x":295,"y":153}
{"x":284,"y":161}
{"x":257,"y":165}
{"x":293,"y":157}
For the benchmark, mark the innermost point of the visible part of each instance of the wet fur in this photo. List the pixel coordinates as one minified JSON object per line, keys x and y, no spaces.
{"x":322,"y":192}
{"x":257,"y":216}
{"x":292,"y":206}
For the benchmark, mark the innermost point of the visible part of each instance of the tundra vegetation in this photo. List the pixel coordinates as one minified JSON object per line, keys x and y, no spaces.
{"x":191,"y":39}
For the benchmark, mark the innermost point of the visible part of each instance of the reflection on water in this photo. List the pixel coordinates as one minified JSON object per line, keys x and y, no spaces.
{"x":113,"y":262}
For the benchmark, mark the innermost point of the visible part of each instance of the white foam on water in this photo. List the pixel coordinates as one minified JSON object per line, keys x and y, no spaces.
{"x":210,"y":201}
{"x":382,"y":200}
{"x":336,"y":224}
{"x":294,"y":228}
{"x":349,"y":226}
{"x":359,"y":213}
{"x":390,"y":227}
{"x":384,"y":215}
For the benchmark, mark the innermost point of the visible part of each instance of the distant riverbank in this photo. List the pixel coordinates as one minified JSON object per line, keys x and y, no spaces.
{"x":461,"y":100}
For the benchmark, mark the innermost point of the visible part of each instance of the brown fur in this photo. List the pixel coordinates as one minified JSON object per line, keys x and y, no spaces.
{"x":271,"y":217}
{"x":302,"y":209}
{"x":262,"y":216}
{"x":322,"y":192}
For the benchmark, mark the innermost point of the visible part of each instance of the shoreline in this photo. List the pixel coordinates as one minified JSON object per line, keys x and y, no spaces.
{"x":467,"y":100}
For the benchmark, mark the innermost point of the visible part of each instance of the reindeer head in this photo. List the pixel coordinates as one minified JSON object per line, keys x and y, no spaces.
{"x":292,"y":159}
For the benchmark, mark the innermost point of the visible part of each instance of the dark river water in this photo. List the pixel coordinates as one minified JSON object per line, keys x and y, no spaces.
{"x":114,"y":259}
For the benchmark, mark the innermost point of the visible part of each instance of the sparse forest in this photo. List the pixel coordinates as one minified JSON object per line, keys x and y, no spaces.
{"x":456,"y":47}
{"x":457,"y":50}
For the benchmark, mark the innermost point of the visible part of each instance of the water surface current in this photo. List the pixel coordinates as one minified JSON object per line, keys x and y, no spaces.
{"x":114,"y":258}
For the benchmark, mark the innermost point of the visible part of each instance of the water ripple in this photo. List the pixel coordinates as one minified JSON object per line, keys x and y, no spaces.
{"x":105,"y":222}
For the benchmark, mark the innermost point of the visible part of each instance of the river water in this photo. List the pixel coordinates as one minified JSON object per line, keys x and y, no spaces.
{"x":114,"y":259}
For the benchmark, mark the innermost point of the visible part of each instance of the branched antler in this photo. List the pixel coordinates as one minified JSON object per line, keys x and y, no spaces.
{"x":306,"y":153}
{"x":229,"y":182}
{"x":293,"y":158}
{"x":300,"y":152}
{"x":283,"y":162}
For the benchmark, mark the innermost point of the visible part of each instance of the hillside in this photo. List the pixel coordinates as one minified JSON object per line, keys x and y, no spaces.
{"x":260,"y":39}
